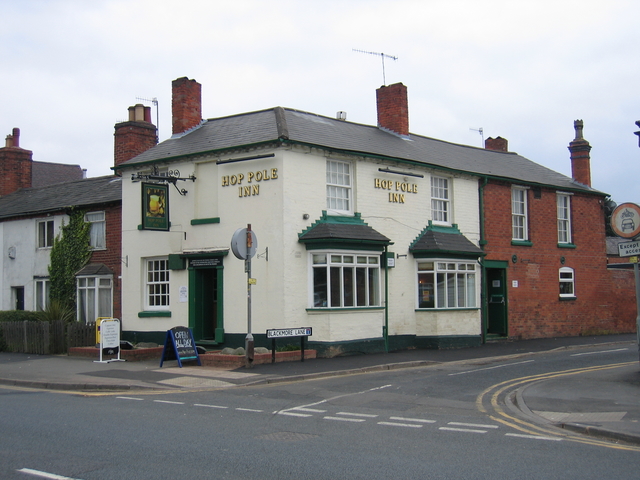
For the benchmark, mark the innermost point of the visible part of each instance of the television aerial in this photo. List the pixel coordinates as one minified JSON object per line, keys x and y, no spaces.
{"x":382,"y":56}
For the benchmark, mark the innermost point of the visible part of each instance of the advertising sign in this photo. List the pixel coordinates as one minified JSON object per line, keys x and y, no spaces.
{"x":155,"y":206}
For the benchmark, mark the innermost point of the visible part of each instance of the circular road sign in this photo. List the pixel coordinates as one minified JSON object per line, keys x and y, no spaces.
{"x":625,"y":220}
{"x":239,"y":244}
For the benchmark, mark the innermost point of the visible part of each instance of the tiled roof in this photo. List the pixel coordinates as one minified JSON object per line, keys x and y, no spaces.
{"x":82,"y":193}
{"x":44,"y":173}
{"x":280,"y":125}
{"x":329,"y":228}
{"x":435,"y":242}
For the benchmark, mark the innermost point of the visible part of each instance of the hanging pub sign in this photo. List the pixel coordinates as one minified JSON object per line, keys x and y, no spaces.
{"x":155,"y":206}
{"x":179,"y":345}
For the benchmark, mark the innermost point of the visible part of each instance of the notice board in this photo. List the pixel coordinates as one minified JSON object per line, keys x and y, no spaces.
{"x":179,"y":345}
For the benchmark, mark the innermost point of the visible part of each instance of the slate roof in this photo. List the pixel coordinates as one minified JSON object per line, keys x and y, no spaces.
{"x":282,"y":125}
{"x":342,"y":230}
{"x":81,"y":193}
{"x":435,"y":242}
{"x":45,"y":173}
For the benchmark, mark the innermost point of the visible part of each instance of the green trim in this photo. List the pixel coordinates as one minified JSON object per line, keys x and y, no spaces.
{"x":176,"y":262}
{"x":446,"y":309}
{"x":495,"y":264}
{"x":566,"y":245}
{"x":522,"y":243}
{"x":337,"y":244}
{"x":205,"y":221}
{"x":343,"y":309}
{"x":446,"y":254}
{"x":567,"y":299}
{"x":150,"y":314}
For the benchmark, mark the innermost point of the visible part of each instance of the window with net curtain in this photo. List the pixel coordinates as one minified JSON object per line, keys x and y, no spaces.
{"x":97,"y":235}
{"x":95,"y":298}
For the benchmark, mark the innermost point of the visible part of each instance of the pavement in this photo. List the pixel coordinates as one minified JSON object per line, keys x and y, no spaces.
{"x":603,"y":403}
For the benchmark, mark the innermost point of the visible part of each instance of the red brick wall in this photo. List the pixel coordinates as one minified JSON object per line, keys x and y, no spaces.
{"x":111,"y":257}
{"x":15,"y":169}
{"x":132,"y":138}
{"x":393,"y":108}
{"x":605,"y":300}
{"x":186,"y":104}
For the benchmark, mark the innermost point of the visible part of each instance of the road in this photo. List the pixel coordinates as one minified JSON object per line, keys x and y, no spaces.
{"x":446,"y":421}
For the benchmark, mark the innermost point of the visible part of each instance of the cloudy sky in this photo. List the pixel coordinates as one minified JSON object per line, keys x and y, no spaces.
{"x":523,"y":70}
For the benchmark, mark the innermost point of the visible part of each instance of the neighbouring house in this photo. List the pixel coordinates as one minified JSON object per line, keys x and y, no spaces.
{"x":375,"y":237}
{"x":36,"y":201}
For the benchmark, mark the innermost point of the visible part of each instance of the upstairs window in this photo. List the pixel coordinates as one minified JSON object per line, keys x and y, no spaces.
{"x":339,"y":186}
{"x":45,"y":233}
{"x":440,"y":203}
{"x":519,"y":214}
{"x":564,"y":218}
{"x":97,"y":235}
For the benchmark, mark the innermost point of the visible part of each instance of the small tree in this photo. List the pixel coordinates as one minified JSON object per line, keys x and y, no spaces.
{"x":70,"y":252}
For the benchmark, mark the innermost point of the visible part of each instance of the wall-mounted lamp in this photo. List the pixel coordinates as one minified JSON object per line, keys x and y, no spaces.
{"x":514,"y":259}
{"x":305,"y":216}
{"x":562,"y":260}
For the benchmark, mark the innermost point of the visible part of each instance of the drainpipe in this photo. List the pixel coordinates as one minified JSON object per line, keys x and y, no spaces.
{"x":385,"y":329}
{"x":483,"y":285}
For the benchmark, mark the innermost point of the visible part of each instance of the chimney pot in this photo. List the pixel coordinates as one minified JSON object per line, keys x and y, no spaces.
{"x":16,"y":137}
{"x":580,"y":159}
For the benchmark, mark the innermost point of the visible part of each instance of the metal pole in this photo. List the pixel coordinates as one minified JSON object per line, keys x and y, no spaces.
{"x":636,"y":271}
{"x":248,"y":343}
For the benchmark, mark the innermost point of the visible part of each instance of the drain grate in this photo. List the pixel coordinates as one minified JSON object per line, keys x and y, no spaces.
{"x":286,"y":436}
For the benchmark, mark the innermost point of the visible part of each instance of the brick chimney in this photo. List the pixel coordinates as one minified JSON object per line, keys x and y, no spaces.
{"x":498,"y":144}
{"x":186,"y":104}
{"x":134,"y":136}
{"x":580,"y":159}
{"x":15,"y":165}
{"x":393,"y":108}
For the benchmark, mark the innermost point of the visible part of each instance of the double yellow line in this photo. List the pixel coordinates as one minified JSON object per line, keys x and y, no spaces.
{"x":491,"y":399}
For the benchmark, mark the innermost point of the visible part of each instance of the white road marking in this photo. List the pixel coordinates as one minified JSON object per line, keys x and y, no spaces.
{"x":404,"y":419}
{"x":293,"y":414}
{"x":312,"y":410}
{"x":472,"y":425}
{"x":130,"y":398}
{"x":343,"y":419}
{"x":595,"y":353}
{"x":468,"y":430}
{"x":491,"y":368}
{"x":248,"y":410}
{"x":40,"y":474}
{"x":209,"y":406}
{"x":409,"y":425}
{"x":330,"y":399}
{"x":367,"y":415}
{"x":169,"y":401}
{"x":533,"y":437}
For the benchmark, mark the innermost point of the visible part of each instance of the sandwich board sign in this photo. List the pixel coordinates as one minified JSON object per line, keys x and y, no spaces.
{"x":110,"y":339}
{"x":179,"y":345}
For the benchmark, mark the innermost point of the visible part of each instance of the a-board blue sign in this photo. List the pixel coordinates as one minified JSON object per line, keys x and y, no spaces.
{"x":179,"y":345}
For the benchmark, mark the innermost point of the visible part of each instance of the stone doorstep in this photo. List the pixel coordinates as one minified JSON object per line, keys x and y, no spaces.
{"x":210,"y":359}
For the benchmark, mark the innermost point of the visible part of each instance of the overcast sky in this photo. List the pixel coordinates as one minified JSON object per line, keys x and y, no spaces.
{"x":523,"y":70}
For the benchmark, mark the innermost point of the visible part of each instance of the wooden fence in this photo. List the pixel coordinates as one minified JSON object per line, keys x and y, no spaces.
{"x":44,"y":338}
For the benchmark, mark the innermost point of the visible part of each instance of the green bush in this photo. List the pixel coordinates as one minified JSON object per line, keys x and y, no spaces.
{"x":56,"y":310}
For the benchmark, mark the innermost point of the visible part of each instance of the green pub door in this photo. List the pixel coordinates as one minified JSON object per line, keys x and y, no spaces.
{"x":205,"y":300}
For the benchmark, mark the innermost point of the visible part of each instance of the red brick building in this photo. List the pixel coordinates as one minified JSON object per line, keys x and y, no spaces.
{"x":546,"y":265}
